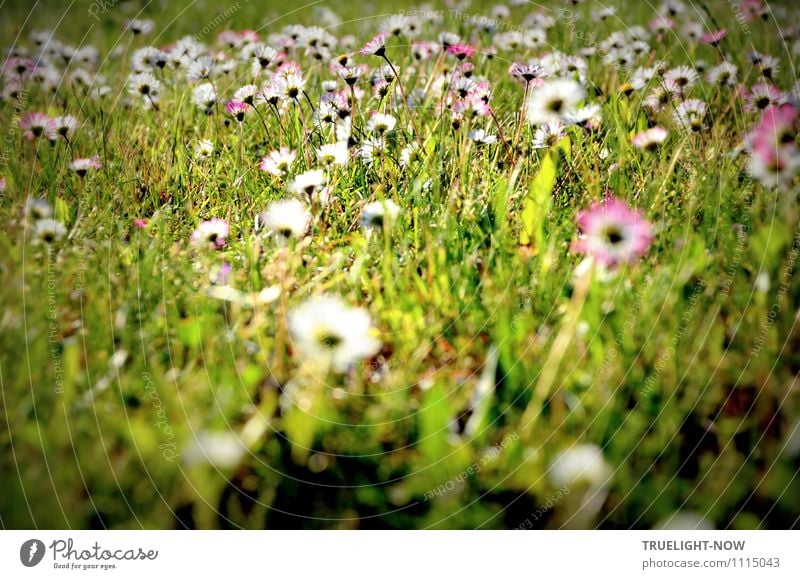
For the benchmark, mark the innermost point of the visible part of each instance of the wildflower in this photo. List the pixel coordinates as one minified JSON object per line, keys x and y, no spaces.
{"x":143,"y":84}
{"x":481,"y":137}
{"x":48,"y":230}
{"x":278,"y":162}
{"x":381,"y":123}
{"x":309,"y":182}
{"x":333,"y":154}
{"x":580,"y":465}
{"x":410,"y":153}
{"x":372,"y":149}
{"x":211,"y":234}
{"x":83,"y":166}
{"x":140,"y":223}
{"x":35,"y":125}
{"x":65,"y":126}
{"x":723,"y":74}
{"x":650,"y":139}
{"x":286,"y":219}
{"x":763,"y":95}
{"x":548,"y":135}
{"x":203,"y":149}
{"x":204,"y":96}
{"x":461,"y":51}
{"x":290,"y":86}
{"x":525,"y":72}
{"x":715,"y":37}
{"x":551,"y":101}
{"x":3,"y":184}
{"x":138,"y":27}
{"x":236,"y":109}
{"x":690,"y":114}
{"x":379,"y":214}
{"x":37,"y":208}
{"x":325,"y":328}
{"x":200,"y":69}
{"x":375,"y":47}
{"x":613,"y":233}
{"x":246,"y":94}
{"x":683,"y":76}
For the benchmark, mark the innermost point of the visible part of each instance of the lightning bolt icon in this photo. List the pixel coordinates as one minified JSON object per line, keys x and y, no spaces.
{"x":32,"y":552}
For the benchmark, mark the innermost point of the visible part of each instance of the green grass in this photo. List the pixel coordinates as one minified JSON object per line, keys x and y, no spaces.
{"x":682,"y":367}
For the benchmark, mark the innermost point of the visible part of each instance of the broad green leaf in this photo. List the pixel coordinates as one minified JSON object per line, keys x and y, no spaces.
{"x":537,"y":203}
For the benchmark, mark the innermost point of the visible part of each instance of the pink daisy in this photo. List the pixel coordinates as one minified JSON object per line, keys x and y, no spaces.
{"x":461,"y":51}
{"x":612,"y":232}
{"x":236,"y":109}
{"x":35,"y":125}
{"x":375,"y":47}
{"x":715,"y":37}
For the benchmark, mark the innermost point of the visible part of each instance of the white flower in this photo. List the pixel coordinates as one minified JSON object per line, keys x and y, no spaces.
{"x":204,"y":96}
{"x":203,"y":149}
{"x":381,"y":124}
{"x":308,"y":182}
{"x":481,"y":137}
{"x":279,"y":162}
{"x":378,"y":214}
{"x":37,"y":208}
{"x":554,"y":100}
{"x":48,"y":230}
{"x":582,"y":464}
{"x":286,"y":218}
{"x":325,"y":328}
{"x":333,"y":154}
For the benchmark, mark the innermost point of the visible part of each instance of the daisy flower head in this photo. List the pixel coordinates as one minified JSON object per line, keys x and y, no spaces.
{"x":548,"y":135}
{"x":714,"y":37}
{"x":143,"y":84}
{"x":203,"y":149}
{"x":48,"y":231}
{"x":763,"y":95}
{"x":525,"y":72}
{"x":200,"y":68}
{"x":723,"y":74}
{"x":375,"y":47}
{"x":37,"y":208}
{"x":381,"y":123}
{"x":65,"y":126}
{"x":278,"y":162}
{"x":460,"y":51}
{"x":553,"y":100}
{"x":139,"y":26}
{"x":308,"y":183}
{"x":613,"y":233}
{"x":482,"y":137}
{"x":773,"y":166}
{"x":326,"y":329}
{"x":35,"y":125}
{"x":204,"y":96}
{"x":691,"y":114}
{"x":82,"y":166}
{"x":210,"y":234}
{"x":237,"y":109}
{"x":379,"y":214}
{"x":372,"y":150}
{"x":286,"y":219}
{"x":333,"y":154}
{"x":650,"y":139}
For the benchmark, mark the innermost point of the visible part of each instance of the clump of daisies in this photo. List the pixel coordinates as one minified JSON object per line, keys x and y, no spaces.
{"x":325,"y":329}
{"x":612,"y":233}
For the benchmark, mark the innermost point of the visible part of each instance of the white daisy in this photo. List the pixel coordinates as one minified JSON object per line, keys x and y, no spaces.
{"x":326,"y":329}
{"x":286,"y":218}
{"x":553,"y":100}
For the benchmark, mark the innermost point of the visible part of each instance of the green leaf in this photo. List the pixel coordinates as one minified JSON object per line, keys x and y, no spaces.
{"x":537,"y":203}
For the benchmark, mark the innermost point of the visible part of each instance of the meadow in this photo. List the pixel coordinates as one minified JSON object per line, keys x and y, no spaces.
{"x":456,"y":265}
